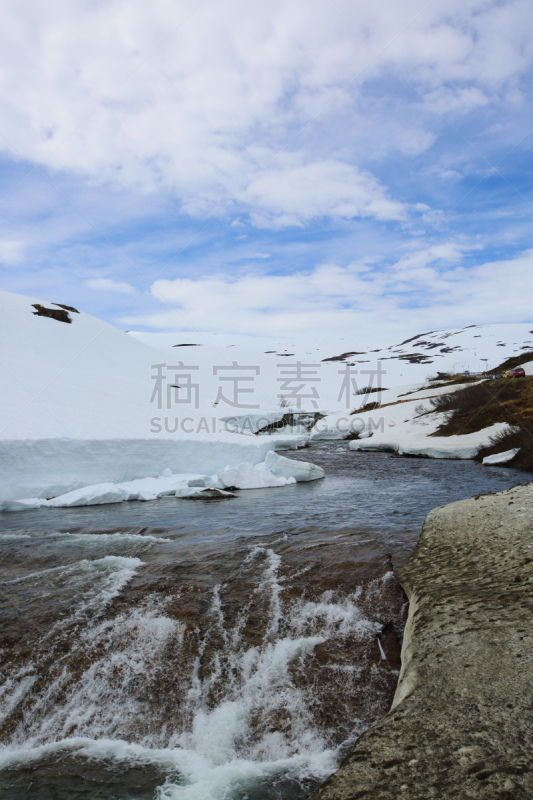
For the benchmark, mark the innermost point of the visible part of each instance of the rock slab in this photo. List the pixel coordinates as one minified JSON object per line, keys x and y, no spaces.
{"x":461,"y":723}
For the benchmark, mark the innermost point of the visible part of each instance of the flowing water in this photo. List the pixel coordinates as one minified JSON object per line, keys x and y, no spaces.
{"x":201,"y":650}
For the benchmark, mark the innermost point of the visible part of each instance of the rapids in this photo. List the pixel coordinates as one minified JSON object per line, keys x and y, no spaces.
{"x":200,"y":650}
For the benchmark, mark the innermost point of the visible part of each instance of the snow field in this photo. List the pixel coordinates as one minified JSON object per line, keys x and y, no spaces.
{"x":88,"y":408}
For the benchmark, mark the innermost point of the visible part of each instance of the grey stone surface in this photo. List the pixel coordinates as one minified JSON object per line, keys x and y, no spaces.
{"x":461,"y":724}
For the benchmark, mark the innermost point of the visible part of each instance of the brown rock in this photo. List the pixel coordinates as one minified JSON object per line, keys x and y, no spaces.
{"x":461,"y":723}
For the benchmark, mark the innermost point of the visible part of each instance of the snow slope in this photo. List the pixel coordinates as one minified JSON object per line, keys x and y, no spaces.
{"x":85,"y":404}
{"x":474,"y":349}
{"x":75,"y":409}
{"x":397,"y":425}
{"x":404,"y":424}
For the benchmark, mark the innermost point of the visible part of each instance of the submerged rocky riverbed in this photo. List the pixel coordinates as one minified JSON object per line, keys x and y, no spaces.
{"x":210,"y":649}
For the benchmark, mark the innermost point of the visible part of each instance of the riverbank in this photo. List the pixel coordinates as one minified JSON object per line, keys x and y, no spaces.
{"x":172,"y":647}
{"x":461,"y":722}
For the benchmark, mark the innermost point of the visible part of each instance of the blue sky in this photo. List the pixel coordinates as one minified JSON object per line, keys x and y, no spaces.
{"x":269,"y":167}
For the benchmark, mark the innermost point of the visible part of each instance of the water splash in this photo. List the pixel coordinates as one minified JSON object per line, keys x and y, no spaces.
{"x":226,"y":688}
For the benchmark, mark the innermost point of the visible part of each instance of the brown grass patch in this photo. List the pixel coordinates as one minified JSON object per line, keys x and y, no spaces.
{"x":517,"y":436}
{"x":476,"y":407}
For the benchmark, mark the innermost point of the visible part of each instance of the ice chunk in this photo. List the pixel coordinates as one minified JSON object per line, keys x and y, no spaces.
{"x":22,"y":505}
{"x":288,"y":468}
{"x":127,"y":492}
{"x":441,"y":449}
{"x":501,"y":458}
{"x":100,"y":494}
{"x":145,"y":495}
{"x":150,"y":488}
{"x":247,"y":476}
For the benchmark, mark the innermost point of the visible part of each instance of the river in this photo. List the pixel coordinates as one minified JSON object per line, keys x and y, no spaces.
{"x":209,"y":649}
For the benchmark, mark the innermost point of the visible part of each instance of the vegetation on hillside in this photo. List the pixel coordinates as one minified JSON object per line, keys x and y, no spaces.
{"x":513,"y":361}
{"x":482,"y":404}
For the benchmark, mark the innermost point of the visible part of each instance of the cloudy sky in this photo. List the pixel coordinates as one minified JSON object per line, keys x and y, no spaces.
{"x":281,"y":167}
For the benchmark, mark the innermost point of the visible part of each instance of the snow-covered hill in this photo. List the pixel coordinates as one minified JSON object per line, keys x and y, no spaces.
{"x":83,"y":403}
{"x":473,"y":349}
{"x":77,"y":408}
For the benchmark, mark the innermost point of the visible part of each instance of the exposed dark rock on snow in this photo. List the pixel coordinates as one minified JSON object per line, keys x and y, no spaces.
{"x":344,"y":356}
{"x":416,"y":358}
{"x":290,"y":419}
{"x":67,"y":308}
{"x":60,"y":314}
{"x":370,"y":390}
{"x":413,"y":338}
{"x":461,"y":725}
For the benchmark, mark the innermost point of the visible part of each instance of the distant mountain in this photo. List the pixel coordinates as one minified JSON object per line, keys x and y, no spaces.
{"x":475,"y":348}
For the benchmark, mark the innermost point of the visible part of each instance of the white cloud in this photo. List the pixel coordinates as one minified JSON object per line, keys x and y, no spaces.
{"x":445,"y":253}
{"x":109,"y":285}
{"x":199,"y":101}
{"x":430,"y":288}
{"x":11,"y":252}
{"x":297,"y":194}
{"x":457,"y":100}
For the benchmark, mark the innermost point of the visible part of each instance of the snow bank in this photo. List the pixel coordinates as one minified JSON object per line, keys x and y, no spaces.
{"x":76,"y":411}
{"x":397,"y":407}
{"x":274,"y":471}
{"x":50,"y":467}
{"x":405,"y":424}
{"x":77,"y":408}
{"x":464,"y":446}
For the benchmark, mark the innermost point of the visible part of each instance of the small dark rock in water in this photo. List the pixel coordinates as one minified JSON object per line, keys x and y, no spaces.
{"x":214,"y":493}
{"x":209,"y":494}
{"x":54,"y":313}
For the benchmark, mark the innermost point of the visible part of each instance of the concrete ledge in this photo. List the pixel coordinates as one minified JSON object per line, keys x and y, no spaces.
{"x":461,"y":723}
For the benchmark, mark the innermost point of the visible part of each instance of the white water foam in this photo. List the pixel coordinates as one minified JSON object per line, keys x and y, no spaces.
{"x":96,"y":539}
{"x":228,"y":738}
{"x":90,"y":587}
{"x":111,"y":538}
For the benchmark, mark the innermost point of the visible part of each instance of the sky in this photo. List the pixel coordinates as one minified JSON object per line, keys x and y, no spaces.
{"x":292,"y":168}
